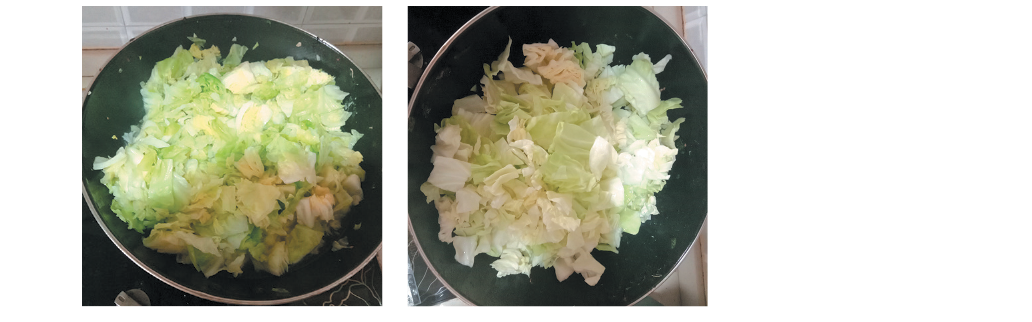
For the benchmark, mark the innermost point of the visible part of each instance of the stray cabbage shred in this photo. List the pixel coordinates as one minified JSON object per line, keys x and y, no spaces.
{"x":555,"y":159}
{"x":236,"y":162}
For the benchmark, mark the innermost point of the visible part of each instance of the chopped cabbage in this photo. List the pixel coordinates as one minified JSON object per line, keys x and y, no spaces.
{"x":555,"y":159}
{"x":236,"y":162}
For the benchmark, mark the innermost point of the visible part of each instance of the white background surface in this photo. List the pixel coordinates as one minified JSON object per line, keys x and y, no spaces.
{"x":867,"y":162}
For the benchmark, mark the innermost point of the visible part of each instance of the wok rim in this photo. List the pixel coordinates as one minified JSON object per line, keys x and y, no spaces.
{"x":415,"y":95}
{"x":188,"y":290}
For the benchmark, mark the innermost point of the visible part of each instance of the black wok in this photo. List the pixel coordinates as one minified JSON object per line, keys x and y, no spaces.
{"x":114,"y":103}
{"x":645,"y":259}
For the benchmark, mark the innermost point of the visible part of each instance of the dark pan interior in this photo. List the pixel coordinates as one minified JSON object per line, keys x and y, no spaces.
{"x":644,"y":259}
{"x":114,"y":104}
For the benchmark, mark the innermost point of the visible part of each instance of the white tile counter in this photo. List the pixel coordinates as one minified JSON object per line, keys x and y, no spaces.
{"x":367,"y":57}
{"x":687,"y":284}
{"x":357,"y":31}
{"x":112,"y":26}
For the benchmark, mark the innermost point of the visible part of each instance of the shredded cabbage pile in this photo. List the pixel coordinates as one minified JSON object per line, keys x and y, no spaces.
{"x":555,"y":159}
{"x":236,"y":161}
